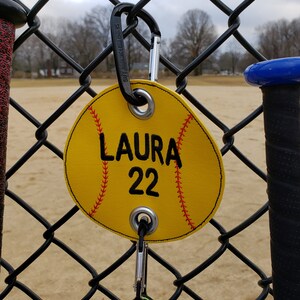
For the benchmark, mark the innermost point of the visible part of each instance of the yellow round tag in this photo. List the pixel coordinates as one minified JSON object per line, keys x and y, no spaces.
{"x":118,"y":163}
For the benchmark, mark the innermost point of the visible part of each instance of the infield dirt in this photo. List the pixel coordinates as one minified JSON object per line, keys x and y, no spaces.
{"x":40,"y":182}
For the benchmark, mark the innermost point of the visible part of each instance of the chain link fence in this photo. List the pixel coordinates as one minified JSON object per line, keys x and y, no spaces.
{"x":51,"y":262}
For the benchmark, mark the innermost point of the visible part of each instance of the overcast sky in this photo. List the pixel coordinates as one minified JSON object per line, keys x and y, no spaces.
{"x":167,"y":13}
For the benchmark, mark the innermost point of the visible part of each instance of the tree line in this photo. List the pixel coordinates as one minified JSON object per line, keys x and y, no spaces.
{"x":85,"y":38}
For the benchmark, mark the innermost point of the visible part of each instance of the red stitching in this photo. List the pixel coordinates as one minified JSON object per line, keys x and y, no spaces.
{"x":96,"y":119}
{"x":179,"y":185}
{"x":104,"y":181}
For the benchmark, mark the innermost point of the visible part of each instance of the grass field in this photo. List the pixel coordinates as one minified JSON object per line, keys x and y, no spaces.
{"x":206,"y":80}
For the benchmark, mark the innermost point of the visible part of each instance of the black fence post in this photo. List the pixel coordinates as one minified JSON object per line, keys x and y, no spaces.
{"x":12,"y":15}
{"x":280,"y":84}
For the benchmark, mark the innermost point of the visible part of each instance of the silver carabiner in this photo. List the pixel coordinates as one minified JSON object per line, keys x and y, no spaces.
{"x":144,"y":221}
{"x":154,"y":57}
{"x":146,"y":111}
{"x":140,"y":271}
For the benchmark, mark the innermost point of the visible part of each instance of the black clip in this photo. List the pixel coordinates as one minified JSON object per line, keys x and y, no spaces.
{"x":119,"y":48}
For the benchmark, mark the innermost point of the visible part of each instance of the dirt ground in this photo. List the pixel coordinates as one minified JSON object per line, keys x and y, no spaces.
{"x":40,"y":182}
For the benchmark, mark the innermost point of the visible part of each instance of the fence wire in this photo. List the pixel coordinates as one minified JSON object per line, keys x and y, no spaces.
{"x":50,"y":248}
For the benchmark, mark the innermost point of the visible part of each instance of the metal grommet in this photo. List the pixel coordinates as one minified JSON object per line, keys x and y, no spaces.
{"x":143,"y":112}
{"x":146,"y":213}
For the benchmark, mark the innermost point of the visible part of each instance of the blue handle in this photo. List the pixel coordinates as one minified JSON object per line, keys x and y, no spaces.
{"x":280,"y":71}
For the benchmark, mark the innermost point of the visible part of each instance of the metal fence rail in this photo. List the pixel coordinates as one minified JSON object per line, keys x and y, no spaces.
{"x":52,"y":246}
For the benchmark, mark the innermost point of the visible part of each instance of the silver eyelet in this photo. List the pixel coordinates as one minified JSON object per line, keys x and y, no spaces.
{"x":145,"y":213}
{"x":146,"y":111}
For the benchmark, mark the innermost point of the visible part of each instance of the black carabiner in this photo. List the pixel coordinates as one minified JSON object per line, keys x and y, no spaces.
{"x":119,"y":48}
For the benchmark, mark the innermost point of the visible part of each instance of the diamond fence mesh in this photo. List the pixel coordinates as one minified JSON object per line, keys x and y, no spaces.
{"x":62,"y":255}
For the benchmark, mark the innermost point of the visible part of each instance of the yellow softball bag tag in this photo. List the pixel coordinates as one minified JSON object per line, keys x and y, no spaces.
{"x":159,"y":160}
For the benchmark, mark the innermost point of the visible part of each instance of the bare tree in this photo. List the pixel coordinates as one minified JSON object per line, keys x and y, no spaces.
{"x":27,"y":56}
{"x":97,"y":22}
{"x":137,"y":55}
{"x":79,"y":42}
{"x":229,"y":60}
{"x":195,"y":33}
{"x":279,"y":38}
{"x":83,"y":40}
{"x":35,"y":57}
{"x":53,"y":28}
{"x":246,"y":60}
{"x":97,"y":25}
{"x":294,"y":38}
